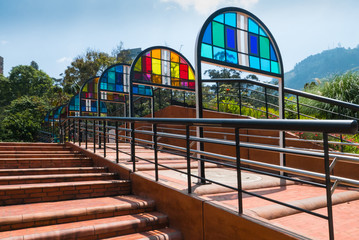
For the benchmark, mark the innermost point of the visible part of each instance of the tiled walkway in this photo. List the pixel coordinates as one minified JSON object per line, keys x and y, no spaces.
{"x":346,"y":214}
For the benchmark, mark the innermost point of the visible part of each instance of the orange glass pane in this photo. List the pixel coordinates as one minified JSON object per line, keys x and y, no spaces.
{"x":156,"y":53}
{"x":175,"y":82}
{"x":156,"y":79}
{"x":174,"y":57}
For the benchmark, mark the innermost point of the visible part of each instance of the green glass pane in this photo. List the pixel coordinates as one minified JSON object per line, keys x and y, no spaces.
{"x":111,"y":77}
{"x":264,"y":47}
{"x":206,"y":51}
{"x":138,"y":67}
{"x":274,"y":67}
{"x":218,"y":34}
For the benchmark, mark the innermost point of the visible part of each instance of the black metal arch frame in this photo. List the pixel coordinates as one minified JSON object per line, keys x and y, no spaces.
{"x":97,"y":102}
{"x":124,"y":93}
{"x":199,"y":59}
{"x":131,"y":107}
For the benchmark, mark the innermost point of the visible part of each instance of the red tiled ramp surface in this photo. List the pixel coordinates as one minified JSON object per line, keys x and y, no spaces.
{"x":48,"y":191}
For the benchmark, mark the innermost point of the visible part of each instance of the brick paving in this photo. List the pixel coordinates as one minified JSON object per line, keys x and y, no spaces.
{"x":346,"y":215}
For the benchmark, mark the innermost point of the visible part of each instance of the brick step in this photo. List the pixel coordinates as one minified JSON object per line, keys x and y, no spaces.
{"x":160,"y":234}
{"x":39,"y":155}
{"x":29,"y":179}
{"x":92,"y":229}
{"x":29,"y":144}
{"x":62,"y":151}
{"x":38,"y":214}
{"x":34,"y":148}
{"x":49,"y":192}
{"x":45,"y":171}
{"x":45,"y":162}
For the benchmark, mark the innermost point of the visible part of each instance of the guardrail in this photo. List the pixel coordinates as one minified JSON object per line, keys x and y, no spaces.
{"x":87,"y":129}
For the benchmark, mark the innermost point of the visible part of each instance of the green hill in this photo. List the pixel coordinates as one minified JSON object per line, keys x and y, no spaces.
{"x":334,"y":61}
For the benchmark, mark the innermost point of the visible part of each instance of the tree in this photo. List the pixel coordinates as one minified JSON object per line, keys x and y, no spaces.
{"x":26,"y":80}
{"x":22,"y":119}
{"x":5,"y":91}
{"x":34,"y":65}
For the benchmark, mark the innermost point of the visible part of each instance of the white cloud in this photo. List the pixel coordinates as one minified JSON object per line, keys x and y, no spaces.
{"x":208,"y":6}
{"x":3,"y":42}
{"x":64,"y":59}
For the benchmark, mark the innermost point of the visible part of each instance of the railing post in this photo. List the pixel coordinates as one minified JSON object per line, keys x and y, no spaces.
{"x":133,"y":149}
{"x":53,"y":129}
{"x":94,"y":136}
{"x":328,"y":186}
{"x":155,"y":150}
{"x":116,"y":136}
{"x":68,"y":130}
{"x":240,"y":98}
{"x":86,"y":134}
{"x":104,"y":138}
{"x":217,"y":96}
{"x":188,"y":155}
{"x":298,"y":111}
{"x":239,"y":174}
{"x":266,"y":101}
{"x":74,"y":131}
{"x":79,"y":134}
{"x":99,"y":134}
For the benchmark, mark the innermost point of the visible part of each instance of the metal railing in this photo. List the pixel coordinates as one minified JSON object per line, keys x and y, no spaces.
{"x":85,"y":129}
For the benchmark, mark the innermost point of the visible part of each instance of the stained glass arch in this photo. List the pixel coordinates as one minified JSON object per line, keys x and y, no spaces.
{"x":88,"y":104}
{"x":74,"y":105}
{"x":233,"y":37}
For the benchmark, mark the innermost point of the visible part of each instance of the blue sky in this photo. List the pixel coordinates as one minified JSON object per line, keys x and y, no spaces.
{"x":53,"y":32}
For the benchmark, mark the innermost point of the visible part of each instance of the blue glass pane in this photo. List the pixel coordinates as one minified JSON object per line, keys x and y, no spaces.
{"x":273,"y":56}
{"x":219,"y":18}
{"x":119,"y":68}
{"x":219,"y":53}
{"x":135,"y":89}
{"x":83,"y":108}
{"x":253,"y":44}
{"x":230,"y":19}
{"x":111,"y":77}
{"x":252,"y":26}
{"x":265,"y":65}
{"x":274,"y":67}
{"x":261,"y":32}
{"x":207,"y":37}
{"x":148,"y":91}
{"x":206,"y":51}
{"x":254,"y":62}
{"x":231,"y":39}
{"x":231,"y":57}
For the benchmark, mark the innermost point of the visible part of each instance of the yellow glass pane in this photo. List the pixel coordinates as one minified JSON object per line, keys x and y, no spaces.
{"x":174,"y":57}
{"x":156,"y":53}
{"x":85,"y":88}
{"x":175,"y":70}
{"x":156,"y":79}
{"x":156,"y":66}
{"x":190,"y":74}
{"x":138,"y":66}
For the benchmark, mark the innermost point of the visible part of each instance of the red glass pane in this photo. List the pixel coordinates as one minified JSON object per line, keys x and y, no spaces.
{"x":146,"y":65}
{"x":191,"y":85}
{"x":184,"y":71}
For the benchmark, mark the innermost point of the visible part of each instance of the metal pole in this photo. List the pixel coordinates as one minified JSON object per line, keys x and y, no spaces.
{"x":85,"y":134}
{"x":239,"y":174}
{"x":240,"y":98}
{"x":188,"y":155}
{"x":74,"y":131}
{"x":116,"y":141}
{"x":328,"y":186}
{"x":298,"y":111}
{"x":94,"y":136}
{"x":104,"y":138}
{"x":99,"y":134}
{"x":217,"y":96}
{"x":79,"y":134}
{"x":53,"y":129}
{"x":266,"y":101}
{"x":133,"y":149}
{"x":155,"y":150}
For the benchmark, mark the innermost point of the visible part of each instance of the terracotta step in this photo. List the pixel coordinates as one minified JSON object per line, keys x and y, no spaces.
{"x":161,"y":234}
{"x":92,"y":229}
{"x":38,"y":214}
{"x":45,"y":162}
{"x":39,"y":155}
{"x":28,"y":179}
{"x":59,"y":151}
{"x":29,"y":144}
{"x":44,"y":171}
{"x":49,"y":192}
{"x":33,"y":148}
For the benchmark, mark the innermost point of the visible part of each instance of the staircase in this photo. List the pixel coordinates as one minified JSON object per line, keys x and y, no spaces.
{"x":49,"y":191}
